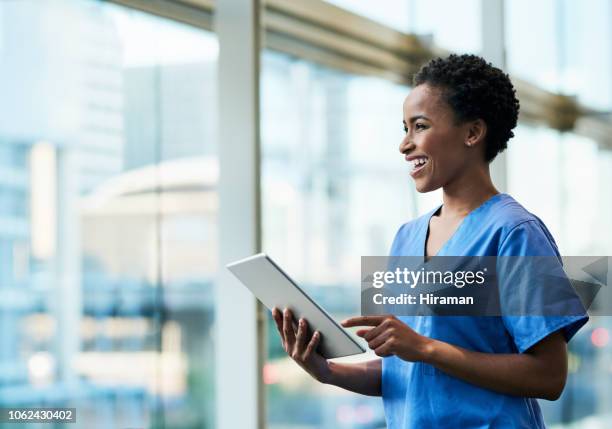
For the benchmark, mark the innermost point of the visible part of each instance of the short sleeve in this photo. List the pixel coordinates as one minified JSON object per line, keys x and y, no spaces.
{"x":530,"y":238}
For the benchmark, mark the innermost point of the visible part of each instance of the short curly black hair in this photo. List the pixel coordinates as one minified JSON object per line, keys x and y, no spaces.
{"x":475,"y":89}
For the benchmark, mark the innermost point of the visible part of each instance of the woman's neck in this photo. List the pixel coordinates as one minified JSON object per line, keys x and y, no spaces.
{"x":467,"y":192}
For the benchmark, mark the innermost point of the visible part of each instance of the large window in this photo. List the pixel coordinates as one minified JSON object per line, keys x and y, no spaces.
{"x":108,"y":204}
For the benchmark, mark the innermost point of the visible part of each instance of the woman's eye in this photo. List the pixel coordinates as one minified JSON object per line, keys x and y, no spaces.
{"x":419,"y":126}
{"x":405,"y":129}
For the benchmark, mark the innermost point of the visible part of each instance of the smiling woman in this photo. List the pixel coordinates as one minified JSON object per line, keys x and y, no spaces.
{"x":457,"y":118}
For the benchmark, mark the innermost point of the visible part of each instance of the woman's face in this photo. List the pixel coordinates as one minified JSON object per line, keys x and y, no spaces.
{"x":434,"y":145}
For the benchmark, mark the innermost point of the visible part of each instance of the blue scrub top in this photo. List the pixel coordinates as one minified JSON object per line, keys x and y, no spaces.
{"x":418,"y":395}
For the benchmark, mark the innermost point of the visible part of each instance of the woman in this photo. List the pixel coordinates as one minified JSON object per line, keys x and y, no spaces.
{"x":456,"y":372}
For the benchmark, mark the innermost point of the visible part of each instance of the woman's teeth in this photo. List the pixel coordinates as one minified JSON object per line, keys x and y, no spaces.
{"x":418,"y":163}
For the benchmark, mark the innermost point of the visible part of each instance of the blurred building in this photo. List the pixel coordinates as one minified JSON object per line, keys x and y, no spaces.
{"x":171,"y":106}
{"x":59,"y":97}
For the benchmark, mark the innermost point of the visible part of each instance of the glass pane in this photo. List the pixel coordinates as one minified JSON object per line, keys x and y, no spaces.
{"x":334,"y":188}
{"x":581,"y":194}
{"x":537,"y":149}
{"x":568,"y":48}
{"x":107,"y":214}
{"x":458,"y":29}
{"x":587,"y":36}
{"x":534,"y":55}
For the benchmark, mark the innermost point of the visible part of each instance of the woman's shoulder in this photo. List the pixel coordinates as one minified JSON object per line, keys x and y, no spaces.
{"x":509,"y":214}
{"x":514,"y":221}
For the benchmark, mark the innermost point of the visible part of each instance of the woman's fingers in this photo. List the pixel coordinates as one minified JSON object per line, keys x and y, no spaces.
{"x":312,"y":344}
{"x":361,"y":332}
{"x":296,"y":344}
{"x":300,"y":339}
{"x":379,"y":340}
{"x":278,"y":319}
{"x":383,"y":349}
{"x":363,"y":321}
{"x":288,"y":331}
{"x":376,"y":331}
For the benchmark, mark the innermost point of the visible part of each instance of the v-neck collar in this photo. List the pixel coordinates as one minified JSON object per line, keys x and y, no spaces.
{"x":456,"y":232}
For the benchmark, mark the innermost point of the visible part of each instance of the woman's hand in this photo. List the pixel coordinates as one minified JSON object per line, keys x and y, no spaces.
{"x":390,"y":336}
{"x":299,"y":347}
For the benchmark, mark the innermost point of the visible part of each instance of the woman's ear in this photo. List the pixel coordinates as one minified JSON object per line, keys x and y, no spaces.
{"x":476,"y":132}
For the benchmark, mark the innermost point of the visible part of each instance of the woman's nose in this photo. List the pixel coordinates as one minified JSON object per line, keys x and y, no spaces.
{"x":405,"y":145}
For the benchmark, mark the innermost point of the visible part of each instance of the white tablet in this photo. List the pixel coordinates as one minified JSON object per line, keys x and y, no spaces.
{"x":274,"y":288}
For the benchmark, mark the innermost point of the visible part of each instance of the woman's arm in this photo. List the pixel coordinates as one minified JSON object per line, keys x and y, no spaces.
{"x":363,"y":377}
{"x":539,"y":372}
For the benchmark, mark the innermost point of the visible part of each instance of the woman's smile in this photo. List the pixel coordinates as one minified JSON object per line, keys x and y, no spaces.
{"x":418,"y":164}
